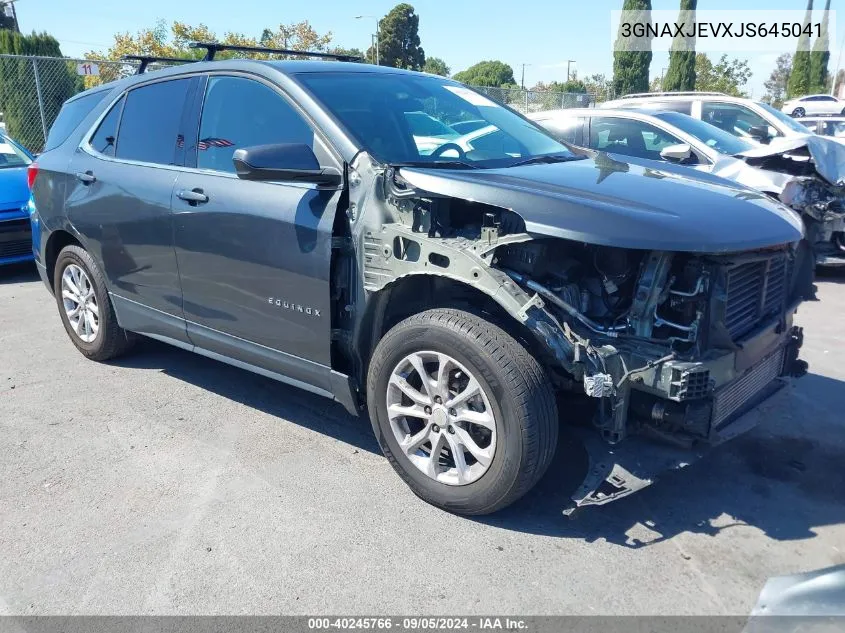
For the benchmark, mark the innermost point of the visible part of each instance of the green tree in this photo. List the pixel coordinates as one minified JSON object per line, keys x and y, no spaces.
{"x":353,"y":52}
{"x":630,"y":65}
{"x":399,"y":39}
{"x":776,"y":83}
{"x":18,"y":92}
{"x":488,"y":73}
{"x":820,"y":56}
{"x":799,"y":78}
{"x":727,"y":75}
{"x":680,"y":75}
{"x":436,"y":66}
{"x":599,"y":85}
{"x":173,"y":40}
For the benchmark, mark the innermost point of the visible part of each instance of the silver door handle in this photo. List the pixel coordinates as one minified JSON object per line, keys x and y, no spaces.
{"x":86,"y":177}
{"x":192,"y":196}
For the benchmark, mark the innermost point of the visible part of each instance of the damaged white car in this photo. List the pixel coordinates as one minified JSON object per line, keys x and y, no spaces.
{"x":805,"y":172}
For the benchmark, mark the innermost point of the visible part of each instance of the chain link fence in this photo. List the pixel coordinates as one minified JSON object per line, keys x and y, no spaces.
{"x":33,"y":89}
{"x":527,"y":101}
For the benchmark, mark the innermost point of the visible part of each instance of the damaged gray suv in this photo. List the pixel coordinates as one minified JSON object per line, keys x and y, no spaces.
{"x":321,"y":223}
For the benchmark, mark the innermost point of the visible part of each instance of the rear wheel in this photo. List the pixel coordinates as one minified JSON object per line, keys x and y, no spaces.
{"x":463,"y":412}
{"x":797,"y":113}
{"x":85,"y":307}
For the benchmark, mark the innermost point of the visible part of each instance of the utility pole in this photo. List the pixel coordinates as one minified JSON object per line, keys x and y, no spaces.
{"x":522,"y":82}
{"x":569,"y":62}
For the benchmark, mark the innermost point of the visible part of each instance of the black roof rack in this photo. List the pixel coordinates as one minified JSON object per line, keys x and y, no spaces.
{"x":212,"y":48}
{"x":147,"y":59}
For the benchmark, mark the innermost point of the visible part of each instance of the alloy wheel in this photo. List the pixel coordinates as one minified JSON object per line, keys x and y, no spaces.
{"x":80,"y":303}
{"x":441,"y":418}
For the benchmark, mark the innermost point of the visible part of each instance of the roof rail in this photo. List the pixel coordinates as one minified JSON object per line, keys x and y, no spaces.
{"x":690,"y":93}
{"x":146,"y":60}
{"x":212,"y":48}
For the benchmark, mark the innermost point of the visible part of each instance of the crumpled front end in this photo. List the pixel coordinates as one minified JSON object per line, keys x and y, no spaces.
{"x":673,"y":346}
{"x":814,"y":187}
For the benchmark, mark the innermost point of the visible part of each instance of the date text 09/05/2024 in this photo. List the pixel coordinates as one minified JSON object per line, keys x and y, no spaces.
{"x":418,"y":623}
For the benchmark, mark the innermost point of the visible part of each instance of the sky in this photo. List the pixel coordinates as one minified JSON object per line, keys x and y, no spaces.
{"x":543,"y":34}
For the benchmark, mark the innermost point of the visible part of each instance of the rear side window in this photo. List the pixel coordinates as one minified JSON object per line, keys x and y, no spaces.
{"x":70,"y":116}
{"x":149,"y":127}
{"x":105,"y":139}
{"x":671,"y":105}
{"x":566,"y":129}
{"x":242,"y":112}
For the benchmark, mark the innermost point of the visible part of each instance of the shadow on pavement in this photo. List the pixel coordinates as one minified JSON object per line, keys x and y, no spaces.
{"x":774,"y":478}
{"x":264,"y":394}
{"x":18,"y":273}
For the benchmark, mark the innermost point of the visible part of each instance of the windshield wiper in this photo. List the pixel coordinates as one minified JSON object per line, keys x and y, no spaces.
{"x":546,"y":158}
{"x":445,"y":164}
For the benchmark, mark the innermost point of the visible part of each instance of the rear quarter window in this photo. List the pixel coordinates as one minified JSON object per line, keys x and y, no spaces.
{"x":70,"y":116}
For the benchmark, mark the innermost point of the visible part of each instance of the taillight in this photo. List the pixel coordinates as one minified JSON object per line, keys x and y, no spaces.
{"x":31,"y":174}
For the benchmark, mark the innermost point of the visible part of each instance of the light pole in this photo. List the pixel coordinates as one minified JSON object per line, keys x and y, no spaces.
{"x":378,"y":26}
{"x":568,"y":63}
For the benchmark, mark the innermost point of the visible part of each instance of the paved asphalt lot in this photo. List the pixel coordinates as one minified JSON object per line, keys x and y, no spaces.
{"x":168,"y":483}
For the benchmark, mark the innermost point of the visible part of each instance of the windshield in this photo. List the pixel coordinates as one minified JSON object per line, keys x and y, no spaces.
{"x":710,"y":135}
{"x":786,"y":120}
{"x":402,"y":118}
{"x":11,"y":155}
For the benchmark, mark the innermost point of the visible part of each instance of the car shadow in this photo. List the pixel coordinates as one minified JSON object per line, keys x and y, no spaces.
{"x":775,"y":478}
{"x":257,"y":392}
{"x":784,"y":482}
{"x":18,"y":273}
{"x":830,"y":274}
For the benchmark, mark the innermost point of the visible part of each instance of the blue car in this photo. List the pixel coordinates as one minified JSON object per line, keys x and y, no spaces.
{"x":15,"y":229}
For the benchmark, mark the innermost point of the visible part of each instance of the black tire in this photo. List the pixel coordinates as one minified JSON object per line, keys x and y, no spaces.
{"x":111,"y":340}
{"x":517,"y":387}
{"x":797,"y":113}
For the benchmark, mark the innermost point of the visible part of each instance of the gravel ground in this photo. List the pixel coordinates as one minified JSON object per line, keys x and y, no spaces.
{"x":165,"y":483}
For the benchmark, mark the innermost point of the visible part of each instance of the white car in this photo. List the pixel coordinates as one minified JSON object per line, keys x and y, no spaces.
{"x":814,"y":104}
{"x":830,"y":126}
{"x":797,"y":171}
{"x":753,"y":120}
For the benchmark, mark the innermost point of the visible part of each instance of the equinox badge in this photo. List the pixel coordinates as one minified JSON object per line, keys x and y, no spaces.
{"x":294,"y":307}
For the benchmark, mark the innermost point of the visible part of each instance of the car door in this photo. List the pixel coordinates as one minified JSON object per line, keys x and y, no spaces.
{"x":120,"y":202}
{"x":828,"y":105}
{"x":254,"y":257}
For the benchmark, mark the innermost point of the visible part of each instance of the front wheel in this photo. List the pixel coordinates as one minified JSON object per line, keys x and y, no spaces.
{"x":797,"y":113}
{"x":465,"y":415}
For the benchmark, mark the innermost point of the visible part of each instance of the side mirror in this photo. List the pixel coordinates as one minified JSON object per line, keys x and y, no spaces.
{"x":676,"y":153}
{"x":760,"y":133}
{"x":286,"y":162}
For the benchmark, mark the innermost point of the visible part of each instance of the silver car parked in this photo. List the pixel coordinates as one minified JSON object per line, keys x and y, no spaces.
{"x":799,"y":171}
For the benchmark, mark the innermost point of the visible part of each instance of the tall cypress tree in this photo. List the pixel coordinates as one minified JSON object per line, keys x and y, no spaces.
{"x":630,"y":67}
{"x":681,"y":72}
{"x":820,"y":57}
{"x":799,"y":79}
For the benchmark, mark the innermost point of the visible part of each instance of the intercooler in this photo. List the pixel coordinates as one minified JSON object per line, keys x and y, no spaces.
{"x":732,"y":397}
{"x":755,"y":291}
